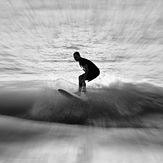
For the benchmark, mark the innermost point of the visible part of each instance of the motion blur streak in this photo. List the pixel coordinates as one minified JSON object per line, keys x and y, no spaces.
{"x":123,"y":38}
{"x":123,"y":119}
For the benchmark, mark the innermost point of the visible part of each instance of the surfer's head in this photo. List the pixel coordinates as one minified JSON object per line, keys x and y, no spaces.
{"x":77,"y":56}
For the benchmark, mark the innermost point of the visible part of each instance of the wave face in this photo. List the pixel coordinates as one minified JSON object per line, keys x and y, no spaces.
{"x":120,"y":104}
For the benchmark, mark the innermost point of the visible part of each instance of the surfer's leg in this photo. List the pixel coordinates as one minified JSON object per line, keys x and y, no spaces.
{"x":82,"y":84}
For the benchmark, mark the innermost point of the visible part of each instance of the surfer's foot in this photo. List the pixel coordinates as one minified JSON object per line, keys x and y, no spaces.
{"x":83,"y":94}
{"x":83,"y":89}
{"x":78,"y":93}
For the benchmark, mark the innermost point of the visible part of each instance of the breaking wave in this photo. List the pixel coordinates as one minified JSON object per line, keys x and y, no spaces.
{"x":118,"y":105}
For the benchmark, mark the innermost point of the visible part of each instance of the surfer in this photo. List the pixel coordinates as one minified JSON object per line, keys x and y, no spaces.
{"x":91,"y":71}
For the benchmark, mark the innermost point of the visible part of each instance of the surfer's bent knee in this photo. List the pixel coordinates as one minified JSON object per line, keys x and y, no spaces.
{"x":81,"y":78}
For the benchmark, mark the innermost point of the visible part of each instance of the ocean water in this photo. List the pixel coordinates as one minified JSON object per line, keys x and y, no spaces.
{"x":124,"y":113}
{"x":38,"y":38}
{"x":123,"y":38}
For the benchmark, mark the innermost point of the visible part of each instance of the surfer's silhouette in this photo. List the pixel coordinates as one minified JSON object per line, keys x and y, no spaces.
{"x":91,"y":71}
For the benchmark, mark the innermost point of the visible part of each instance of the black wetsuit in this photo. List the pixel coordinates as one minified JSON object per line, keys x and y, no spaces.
{"x":93,"y":70}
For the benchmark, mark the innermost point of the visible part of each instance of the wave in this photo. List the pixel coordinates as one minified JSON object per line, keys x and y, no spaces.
{"x":118,"y":105}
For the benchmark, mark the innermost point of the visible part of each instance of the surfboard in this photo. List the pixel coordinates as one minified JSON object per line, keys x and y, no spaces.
{"x":73,"y":95}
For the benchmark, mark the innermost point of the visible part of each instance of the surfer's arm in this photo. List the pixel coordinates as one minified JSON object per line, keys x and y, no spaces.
{"x":85,"y":67}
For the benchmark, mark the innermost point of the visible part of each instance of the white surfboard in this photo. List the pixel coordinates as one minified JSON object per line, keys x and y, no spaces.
{"x":73,"y":95}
